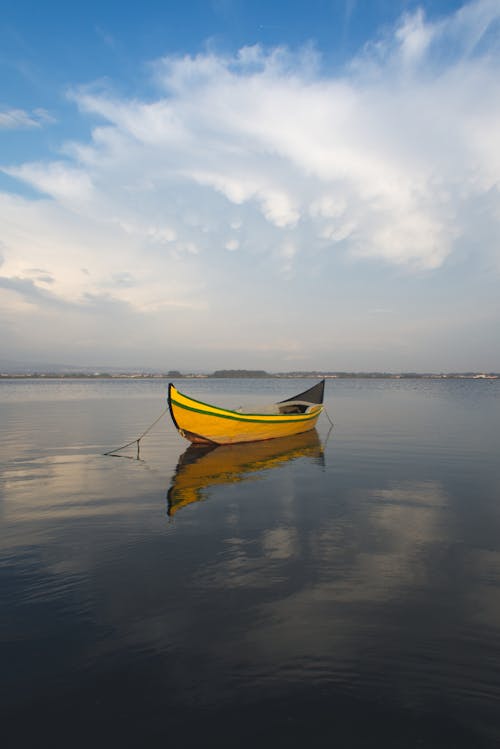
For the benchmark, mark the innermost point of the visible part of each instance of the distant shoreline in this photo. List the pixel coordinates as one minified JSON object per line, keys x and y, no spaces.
{"x":244,"y":374}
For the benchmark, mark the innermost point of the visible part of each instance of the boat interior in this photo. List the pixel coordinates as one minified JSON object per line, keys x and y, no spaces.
{"x":293,"y":407}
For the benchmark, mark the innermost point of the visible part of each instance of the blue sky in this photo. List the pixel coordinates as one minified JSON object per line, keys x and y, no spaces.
{"x":283,"y":185}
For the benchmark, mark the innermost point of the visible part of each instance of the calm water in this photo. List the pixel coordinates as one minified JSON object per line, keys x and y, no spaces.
{"x":342,"y":587}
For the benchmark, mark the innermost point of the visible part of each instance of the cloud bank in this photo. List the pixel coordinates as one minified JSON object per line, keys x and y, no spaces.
{"x":265,"y":165}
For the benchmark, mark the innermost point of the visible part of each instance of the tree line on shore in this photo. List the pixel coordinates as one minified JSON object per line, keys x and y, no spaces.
{"x":249,"y":374}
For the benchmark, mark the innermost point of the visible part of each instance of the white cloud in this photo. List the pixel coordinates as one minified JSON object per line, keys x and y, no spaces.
{"x":393,"y":160}
{"x":258,"y":129}
{"x":64,"y":183}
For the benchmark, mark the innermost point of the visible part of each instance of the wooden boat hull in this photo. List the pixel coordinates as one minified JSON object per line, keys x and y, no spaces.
{"x":203,"y":423}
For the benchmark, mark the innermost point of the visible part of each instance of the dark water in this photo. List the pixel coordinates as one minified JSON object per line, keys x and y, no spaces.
{"x":289,"y":595}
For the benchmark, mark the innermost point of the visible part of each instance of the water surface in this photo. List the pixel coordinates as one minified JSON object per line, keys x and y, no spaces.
{"x":342,"y":587}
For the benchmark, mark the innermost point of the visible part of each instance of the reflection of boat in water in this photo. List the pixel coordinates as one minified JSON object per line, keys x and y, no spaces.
{"x":201,"y":422}
{"x":200,"y":467}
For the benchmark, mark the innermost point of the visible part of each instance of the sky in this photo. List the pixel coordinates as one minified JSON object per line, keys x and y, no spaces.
{"x":286,"y":186}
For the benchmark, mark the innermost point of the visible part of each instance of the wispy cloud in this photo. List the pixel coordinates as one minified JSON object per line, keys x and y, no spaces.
{"x":18,"y":119}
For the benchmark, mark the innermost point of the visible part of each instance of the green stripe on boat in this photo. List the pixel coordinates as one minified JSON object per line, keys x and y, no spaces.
{"x":244,"y":417}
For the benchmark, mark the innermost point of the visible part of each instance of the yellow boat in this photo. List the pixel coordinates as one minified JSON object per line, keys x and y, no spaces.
{"x":202,"y":467}
{"x":203,"y":423}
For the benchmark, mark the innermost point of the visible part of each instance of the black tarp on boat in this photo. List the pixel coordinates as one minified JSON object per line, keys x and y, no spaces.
{"x":312,"y":395}
{"x":300,"y":402}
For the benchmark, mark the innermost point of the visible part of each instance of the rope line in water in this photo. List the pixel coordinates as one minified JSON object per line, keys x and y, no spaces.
{"x":138,"y":439}
{"x":327,"y":416}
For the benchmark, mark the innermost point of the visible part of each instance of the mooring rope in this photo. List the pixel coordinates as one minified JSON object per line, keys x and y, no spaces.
{"x":327,"y":416}
{"x":138,"y":439}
